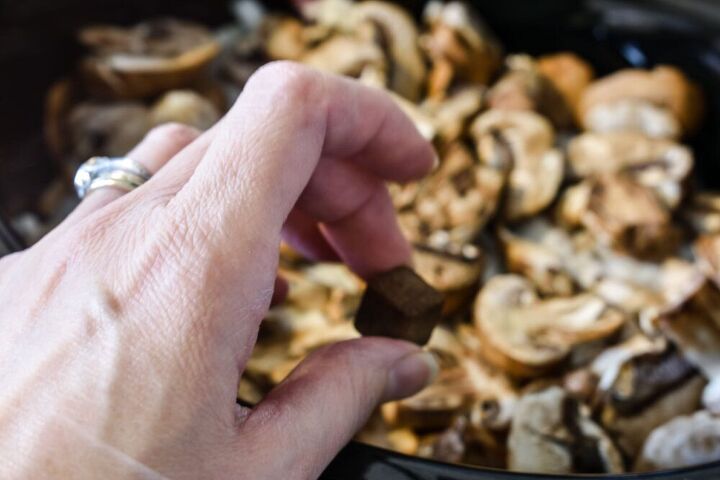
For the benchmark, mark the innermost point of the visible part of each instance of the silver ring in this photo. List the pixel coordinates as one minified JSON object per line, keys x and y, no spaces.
{"x":119,"y":172}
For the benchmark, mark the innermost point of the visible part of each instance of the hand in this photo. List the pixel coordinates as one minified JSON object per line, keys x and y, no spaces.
{"x":123,"y":333}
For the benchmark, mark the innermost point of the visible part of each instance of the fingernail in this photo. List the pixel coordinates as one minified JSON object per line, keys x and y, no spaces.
{"x":411,"y":374}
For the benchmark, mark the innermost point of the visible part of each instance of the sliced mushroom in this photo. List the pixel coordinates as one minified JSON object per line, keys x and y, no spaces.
{"x":526,"y":336}
{"x":540,"y":264}
{"x":660,"y":103}
{"x":684,"y":441}
{"x":552,"y":433}
{"x":522,"y":141}
{"x":396,"y":33}
{"x":694,"y":326}
{"x":569,"y":74}
{"x":186,"y":107}
{"x":146,"y":59}
{"x":621,"y":214}
{"x":106,"y":129}
{"x":454,"y":112}
{"x":461,"y":196}
{"x":460,"y":46}
{"x":284,"y":38}
{"x":660,"y":164}
{"x":524,"y":87}
{"x":703,"y":212}
{"x":707,"y":252}
{"x":436,"y":406}
{"x":344,"y":55}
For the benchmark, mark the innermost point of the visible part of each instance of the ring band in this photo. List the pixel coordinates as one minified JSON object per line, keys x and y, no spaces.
{"x":119,"y":172}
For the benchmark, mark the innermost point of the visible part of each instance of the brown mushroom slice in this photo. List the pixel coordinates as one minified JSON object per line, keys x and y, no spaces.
{"x":660,"y":164}
{"x":435,"y":406}
{"x":538,"y":263}
{"x":630,"y":431}
{"x":461,"y":196}
{"x":106,"y":129}
{"x":454,"y":112}
{"x":186,"y":107}
{"x":684,"y":441}
{"x":344,"y":55}
{"x":552,"y":433}
{"x":694,"y":326}
{"x":621,"y":214}
{"x":703,"y":212}
{"x":494,"y":396}
{"x":153,"y":57}
{"x":283,"y":38}
{"x":456,"y":275}
{"x":526,"y":336}
{"x":399,"y":38}
{"x":661,"y":102}
{"x":460,"y":46}
{"x":569,"y":74}
{"x":524,"y":87}
{"x":523,"y":141}
{"x":707,"y":252}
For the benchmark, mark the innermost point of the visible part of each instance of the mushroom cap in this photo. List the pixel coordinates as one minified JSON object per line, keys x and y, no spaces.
{"x":682,"y":442}
{"x":526,"y":336}
{"x":664,"y":87}
{"x":537,"y":168}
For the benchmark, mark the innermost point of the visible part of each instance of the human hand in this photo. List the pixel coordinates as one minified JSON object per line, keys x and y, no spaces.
{"x":123,"y":333}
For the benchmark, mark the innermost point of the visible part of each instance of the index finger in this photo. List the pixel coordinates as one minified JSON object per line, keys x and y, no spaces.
{"x":268,"y":148}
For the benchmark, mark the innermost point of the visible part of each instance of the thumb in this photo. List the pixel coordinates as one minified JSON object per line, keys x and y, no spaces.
{"x":307,"y":419}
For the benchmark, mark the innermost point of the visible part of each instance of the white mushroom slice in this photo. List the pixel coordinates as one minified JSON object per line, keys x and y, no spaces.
{"x":630,"y":115}
{"x":652,"y":94}
{"x":527,"y":140}
{"x":552,"y":433}
{"x":460,"y":46}
{"x":525,"y":336}
{"x":682,"y":442}
{"x":656,"y":163}
{"x":494,"y":397}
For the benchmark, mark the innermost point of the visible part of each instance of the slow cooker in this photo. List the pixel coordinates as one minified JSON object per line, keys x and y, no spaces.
{"x":37,"y":46}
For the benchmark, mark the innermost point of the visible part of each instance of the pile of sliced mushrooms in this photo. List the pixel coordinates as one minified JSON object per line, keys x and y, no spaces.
{"x":580,"y":268}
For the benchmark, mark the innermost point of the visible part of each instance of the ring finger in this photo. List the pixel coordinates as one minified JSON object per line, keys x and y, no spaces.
{"x":155,"y":150}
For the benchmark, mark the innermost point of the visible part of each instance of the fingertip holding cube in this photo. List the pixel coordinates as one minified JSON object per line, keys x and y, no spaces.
{"x":399,"y":304}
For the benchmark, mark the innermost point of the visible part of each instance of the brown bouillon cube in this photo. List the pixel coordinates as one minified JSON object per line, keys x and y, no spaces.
{"x":399,"y":304}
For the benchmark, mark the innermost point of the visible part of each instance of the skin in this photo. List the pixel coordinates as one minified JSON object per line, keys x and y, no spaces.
{"x":124,"y":332}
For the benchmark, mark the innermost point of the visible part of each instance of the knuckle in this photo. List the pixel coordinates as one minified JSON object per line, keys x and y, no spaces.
{"x":174,"y":133}
{"x":289,"y":82}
